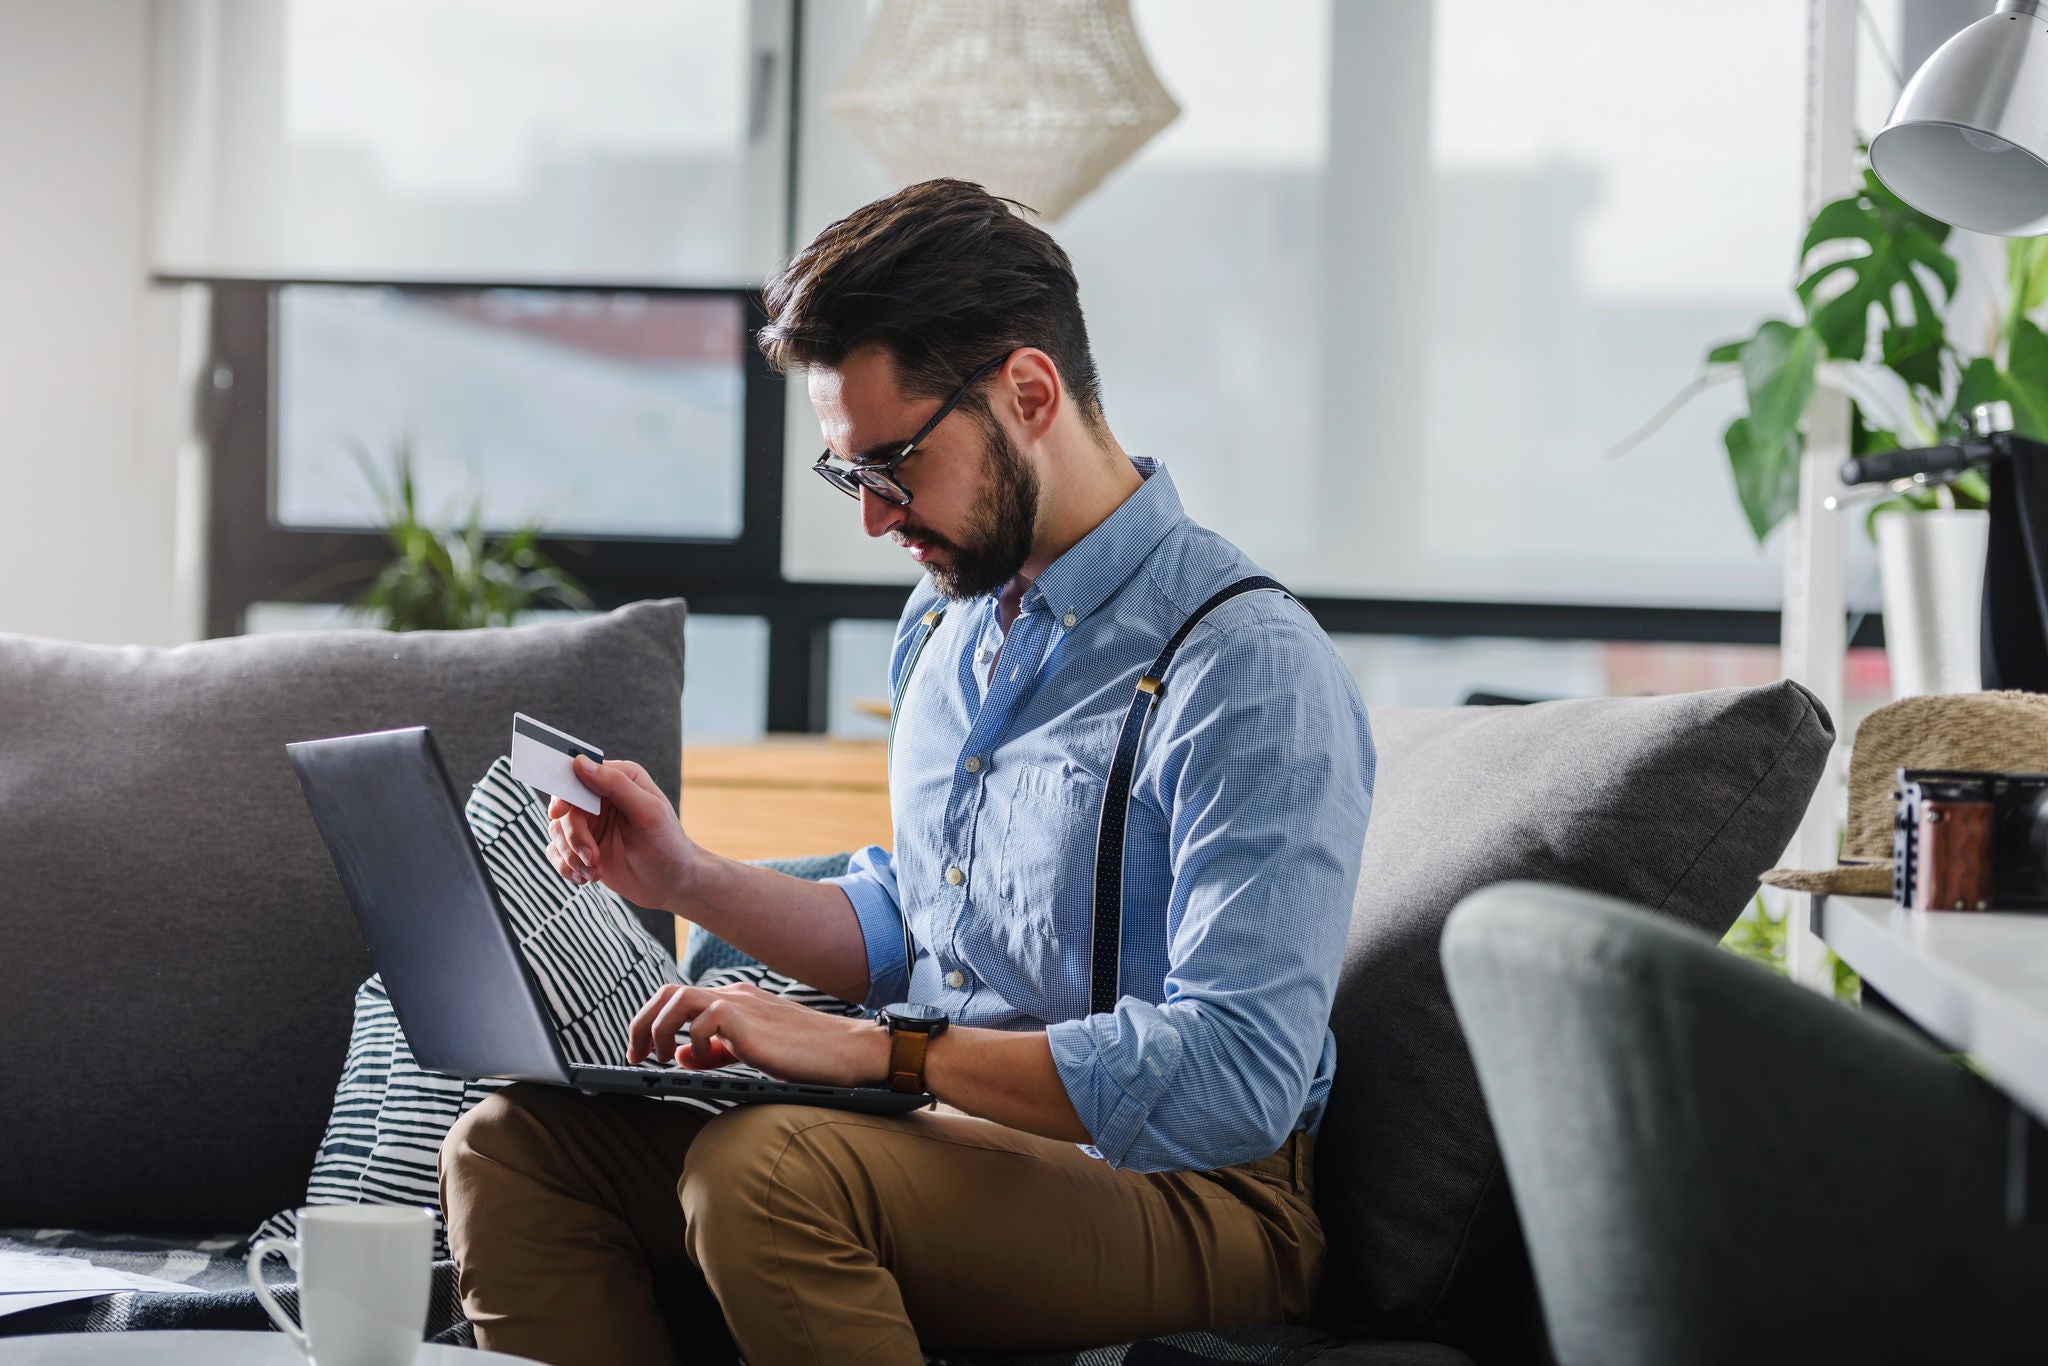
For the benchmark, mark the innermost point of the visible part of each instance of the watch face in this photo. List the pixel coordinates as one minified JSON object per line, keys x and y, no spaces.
{"x":914,"y":1015}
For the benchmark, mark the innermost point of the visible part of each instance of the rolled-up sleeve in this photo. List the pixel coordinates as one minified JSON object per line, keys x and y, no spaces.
{"x":1262,"y":755}
{"x":870,"y":884}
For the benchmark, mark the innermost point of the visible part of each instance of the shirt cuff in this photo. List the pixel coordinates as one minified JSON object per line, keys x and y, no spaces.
{"x":1114,"y":1071}
{"x":881,"y":929}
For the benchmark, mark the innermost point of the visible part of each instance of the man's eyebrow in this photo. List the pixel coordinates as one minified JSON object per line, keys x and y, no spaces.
{"x":877,"y":454}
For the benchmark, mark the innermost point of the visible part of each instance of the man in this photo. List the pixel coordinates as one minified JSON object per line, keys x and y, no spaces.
{"x":1088,"y":1177}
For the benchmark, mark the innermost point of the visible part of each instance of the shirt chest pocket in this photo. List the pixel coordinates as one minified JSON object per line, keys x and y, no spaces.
{"x":1048,"y":855}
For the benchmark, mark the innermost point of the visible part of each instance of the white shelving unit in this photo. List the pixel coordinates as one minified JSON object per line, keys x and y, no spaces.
{"x":1814,"y":632}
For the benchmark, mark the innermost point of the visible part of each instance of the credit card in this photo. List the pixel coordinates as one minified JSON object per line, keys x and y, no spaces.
{"x":541,"y":758}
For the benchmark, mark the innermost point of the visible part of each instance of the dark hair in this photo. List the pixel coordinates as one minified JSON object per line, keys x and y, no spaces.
{"x":944,"y":275}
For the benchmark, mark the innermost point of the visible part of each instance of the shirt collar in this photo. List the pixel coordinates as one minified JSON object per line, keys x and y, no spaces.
{"x":1101,"y":562}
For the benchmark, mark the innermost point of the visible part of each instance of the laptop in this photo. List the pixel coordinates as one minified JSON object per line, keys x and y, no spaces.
{"x":462,"y":991}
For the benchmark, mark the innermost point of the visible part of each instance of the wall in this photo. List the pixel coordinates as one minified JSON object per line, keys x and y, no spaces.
{"x":88,"y":544}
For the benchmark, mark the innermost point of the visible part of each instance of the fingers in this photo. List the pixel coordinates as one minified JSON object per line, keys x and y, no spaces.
{"x":623,"y":783}
{"x":709,"y":1014}
{"x":707,"y":1047}
{"x":574,"y":856}
{"x":640,"y":1033}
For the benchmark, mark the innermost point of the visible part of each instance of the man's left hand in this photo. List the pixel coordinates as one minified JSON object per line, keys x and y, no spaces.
{"x":742,"y":1023}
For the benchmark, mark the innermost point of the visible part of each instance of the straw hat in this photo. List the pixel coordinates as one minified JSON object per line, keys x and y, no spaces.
{"x":1997,"y":732}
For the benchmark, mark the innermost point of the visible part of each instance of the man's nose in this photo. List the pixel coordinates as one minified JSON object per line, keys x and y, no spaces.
{"x":879,"y":516}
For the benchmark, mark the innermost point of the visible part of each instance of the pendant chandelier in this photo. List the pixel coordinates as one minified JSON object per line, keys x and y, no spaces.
{"x":1036,"y":100}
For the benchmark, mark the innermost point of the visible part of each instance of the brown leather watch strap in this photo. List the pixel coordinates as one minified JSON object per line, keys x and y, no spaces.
{"x":906,"y":1059}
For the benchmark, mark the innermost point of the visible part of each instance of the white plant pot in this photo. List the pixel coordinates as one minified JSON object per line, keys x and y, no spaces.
{"x":1933,"y":569}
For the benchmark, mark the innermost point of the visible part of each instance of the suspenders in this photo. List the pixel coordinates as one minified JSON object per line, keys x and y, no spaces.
{"x":930,"y":627}
{"x":1104,"y":985}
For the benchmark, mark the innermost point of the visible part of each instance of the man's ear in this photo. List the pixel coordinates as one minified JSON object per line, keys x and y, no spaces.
{"x":1030,"y":388}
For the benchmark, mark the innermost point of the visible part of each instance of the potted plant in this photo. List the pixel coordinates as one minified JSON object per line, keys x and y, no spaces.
{"x":448,"y":578}
{"x":1875,"y":287}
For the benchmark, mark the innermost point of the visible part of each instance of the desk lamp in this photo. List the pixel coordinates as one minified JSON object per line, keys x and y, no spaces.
{"x":1968,"y":140}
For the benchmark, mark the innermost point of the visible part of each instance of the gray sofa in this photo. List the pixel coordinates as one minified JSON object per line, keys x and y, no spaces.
{"x":178,"y":963}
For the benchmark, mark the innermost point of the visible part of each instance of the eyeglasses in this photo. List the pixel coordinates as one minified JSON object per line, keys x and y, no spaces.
{"x":879,"y":477}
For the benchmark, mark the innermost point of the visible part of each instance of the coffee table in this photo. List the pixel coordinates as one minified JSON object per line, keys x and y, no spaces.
{"x":196,"y":1349}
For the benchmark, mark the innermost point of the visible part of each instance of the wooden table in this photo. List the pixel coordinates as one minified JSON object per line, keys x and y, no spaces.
{"x":1977,"y":982}
{"x":786,"y":797}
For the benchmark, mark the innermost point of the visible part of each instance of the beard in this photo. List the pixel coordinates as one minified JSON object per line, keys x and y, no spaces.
{"x":999,"y":529}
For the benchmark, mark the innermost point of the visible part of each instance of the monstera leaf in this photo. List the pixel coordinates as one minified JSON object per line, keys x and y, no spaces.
{"x":1766,"y":474}
{"x":1900,"y":261}
{"x":1778,"y":366}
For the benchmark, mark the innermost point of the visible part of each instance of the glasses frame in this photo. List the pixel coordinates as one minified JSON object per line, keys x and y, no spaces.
{"x":879,"y":477}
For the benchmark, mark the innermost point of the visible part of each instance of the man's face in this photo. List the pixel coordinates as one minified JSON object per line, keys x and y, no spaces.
{"x":974,"y":495}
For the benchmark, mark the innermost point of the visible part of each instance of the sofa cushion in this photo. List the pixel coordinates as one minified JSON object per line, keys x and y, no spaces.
{"x":1675,"y":803}
{"x":177,"y":956}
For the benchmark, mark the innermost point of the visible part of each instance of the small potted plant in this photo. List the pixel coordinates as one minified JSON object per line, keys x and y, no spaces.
{"x":450,"y":578}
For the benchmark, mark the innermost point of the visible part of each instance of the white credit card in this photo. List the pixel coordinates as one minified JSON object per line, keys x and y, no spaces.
{"x":541,"y":757}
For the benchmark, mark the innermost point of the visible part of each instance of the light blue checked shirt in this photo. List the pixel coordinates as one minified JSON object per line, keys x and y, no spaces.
{"x":1247,"y":818}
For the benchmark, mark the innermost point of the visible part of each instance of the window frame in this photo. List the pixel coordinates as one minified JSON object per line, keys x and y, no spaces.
{"x":253,"y":559}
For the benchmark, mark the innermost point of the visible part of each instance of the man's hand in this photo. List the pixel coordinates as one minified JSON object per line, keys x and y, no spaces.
{"x":637,"y":847}
{"x":742,"y":1023}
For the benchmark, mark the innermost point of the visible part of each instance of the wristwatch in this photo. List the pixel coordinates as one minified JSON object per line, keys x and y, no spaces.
{"x":911,"y":1030}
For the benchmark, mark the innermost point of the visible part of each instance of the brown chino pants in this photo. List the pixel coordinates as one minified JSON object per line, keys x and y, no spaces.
{"x":836,"y":1238}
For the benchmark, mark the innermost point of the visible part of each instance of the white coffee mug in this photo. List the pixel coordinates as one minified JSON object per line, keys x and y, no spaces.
{"x":364,"y":1272}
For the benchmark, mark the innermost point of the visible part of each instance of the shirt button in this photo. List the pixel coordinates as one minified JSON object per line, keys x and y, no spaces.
{"x":973,"y":764}
{"x":1068,"y":620}
{"x":955,"y":876}
{"x":956,"y":979}
{"x":981,"y":656}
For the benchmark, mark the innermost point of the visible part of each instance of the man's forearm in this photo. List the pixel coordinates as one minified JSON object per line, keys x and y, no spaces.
{"x":1004,"y":1075}
{"x":805,"y":929}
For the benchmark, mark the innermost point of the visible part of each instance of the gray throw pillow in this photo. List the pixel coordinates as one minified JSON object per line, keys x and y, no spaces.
{"x":1674,"y":803}
{"x":175,"y":952}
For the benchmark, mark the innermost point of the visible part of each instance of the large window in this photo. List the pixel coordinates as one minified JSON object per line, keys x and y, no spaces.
{"x":1383,"y":298}
{"x":1401,"y":274}
{"x":639,"y":141}
{"x":601,"y":414}
{"x":632,"y":424}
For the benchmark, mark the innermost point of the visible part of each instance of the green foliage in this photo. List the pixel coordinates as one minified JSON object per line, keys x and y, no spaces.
{"x":1902,"y":256}
{"x":1778,"y":366}
{"x":1761,"y":937}
{"x":1876,"y":282}
{"x":2026,"y":274}
{"x":455,"y":577}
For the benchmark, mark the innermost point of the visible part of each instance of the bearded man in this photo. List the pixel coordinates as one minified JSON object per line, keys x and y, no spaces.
{"x":1106,"y":940}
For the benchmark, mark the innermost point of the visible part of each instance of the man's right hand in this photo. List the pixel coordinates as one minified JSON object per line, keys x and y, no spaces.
{"x":637,"y":847}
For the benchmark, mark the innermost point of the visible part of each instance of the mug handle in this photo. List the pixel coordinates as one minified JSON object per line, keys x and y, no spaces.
{"x":288,"y":1249}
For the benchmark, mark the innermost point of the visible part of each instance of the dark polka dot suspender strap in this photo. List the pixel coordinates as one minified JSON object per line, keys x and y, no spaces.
{"x":1104,"y":986}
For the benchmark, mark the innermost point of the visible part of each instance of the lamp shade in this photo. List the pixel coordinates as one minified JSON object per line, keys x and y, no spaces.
{"x":1037,"y":100}
{"x":1968,"y":140}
